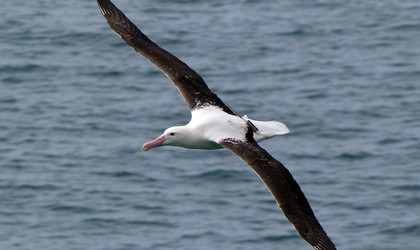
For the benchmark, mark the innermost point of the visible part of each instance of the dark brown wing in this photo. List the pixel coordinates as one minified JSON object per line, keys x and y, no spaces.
{"x":191,"y":85}
{"x":285,"y":190}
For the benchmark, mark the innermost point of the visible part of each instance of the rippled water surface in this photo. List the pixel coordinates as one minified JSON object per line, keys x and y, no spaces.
{"x":76,"y":104}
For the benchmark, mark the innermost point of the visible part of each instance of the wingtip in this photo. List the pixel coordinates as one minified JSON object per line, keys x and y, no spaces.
{"x":101,"y":5}
{"x":107,"y":7}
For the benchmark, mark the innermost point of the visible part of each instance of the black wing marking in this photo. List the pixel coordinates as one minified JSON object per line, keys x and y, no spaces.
{"x":191,"y":85}
{"x":284,"y":189}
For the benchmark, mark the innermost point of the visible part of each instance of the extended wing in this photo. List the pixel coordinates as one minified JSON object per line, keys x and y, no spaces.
{"x":191,"y":85}
{"x":284,"y":189}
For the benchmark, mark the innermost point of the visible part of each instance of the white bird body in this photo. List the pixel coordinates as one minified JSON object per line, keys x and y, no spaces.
{"x":210,"y":125}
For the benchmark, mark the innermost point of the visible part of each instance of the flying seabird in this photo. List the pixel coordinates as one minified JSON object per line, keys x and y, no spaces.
{"x":215,"y":125}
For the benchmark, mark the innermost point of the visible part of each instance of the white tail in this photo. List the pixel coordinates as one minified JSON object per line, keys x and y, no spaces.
{"x":267,"y":129}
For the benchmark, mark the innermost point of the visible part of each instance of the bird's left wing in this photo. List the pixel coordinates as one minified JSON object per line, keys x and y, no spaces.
{"x":284,"y":189}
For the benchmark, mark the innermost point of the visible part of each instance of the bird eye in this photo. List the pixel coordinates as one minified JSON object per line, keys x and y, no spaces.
{"x":172,"y":134}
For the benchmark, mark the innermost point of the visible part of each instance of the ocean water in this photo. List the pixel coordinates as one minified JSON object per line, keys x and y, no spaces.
{"x":76,"y":104}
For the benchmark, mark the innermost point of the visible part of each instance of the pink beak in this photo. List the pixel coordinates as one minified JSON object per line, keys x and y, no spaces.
{"x":155,"y":143}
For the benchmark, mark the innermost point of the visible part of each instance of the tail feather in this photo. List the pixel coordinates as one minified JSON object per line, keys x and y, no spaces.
{"x":267,"y":129}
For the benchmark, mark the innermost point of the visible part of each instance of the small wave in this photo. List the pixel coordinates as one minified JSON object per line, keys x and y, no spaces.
{"x":279,"y":237}
{"x":355,"y":155}
{"x":71,"y":209}
{"x":413,"y":229}
{"x":387,"y":141}
{"x":412,"y":187}
{"x":405,"y":27}
{"x":106,"y":221}
{"x":271,"y":238}
{"x":216,"y":175}
{"x":36,"y":187}
{"x":21,"y":68}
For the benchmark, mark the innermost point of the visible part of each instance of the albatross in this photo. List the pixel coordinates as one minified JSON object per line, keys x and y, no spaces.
{"x":215,"y":125}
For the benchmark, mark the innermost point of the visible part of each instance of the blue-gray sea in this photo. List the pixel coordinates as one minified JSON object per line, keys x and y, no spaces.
{"x":76,"y":105}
